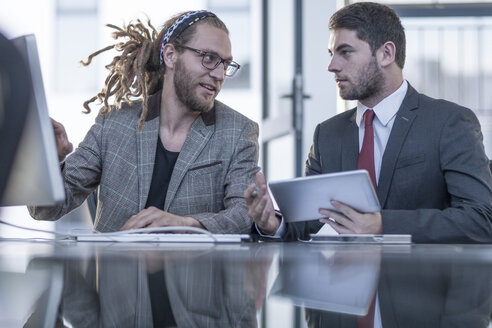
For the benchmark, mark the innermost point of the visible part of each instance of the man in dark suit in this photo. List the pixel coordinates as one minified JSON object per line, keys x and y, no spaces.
{"x":429,"y":166}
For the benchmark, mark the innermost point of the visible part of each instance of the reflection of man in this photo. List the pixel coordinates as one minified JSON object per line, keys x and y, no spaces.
{"x":177,"y":158}
{"x":429,"y":162}
{"x":432,"y":295}
{"x":173,"y":288}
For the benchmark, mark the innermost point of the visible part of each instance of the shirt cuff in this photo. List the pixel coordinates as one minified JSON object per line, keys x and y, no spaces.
{"x":280,"y":231}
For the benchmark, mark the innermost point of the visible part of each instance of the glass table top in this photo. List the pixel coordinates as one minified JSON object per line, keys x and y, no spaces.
{"x":70,"y":284}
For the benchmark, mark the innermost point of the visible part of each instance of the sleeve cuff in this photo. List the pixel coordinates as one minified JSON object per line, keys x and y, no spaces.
{"x":280,"y":231}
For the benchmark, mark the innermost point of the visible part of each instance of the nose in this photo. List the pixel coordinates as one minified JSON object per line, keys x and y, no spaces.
{"x":218,"y":73}
{"x":333,"y":65}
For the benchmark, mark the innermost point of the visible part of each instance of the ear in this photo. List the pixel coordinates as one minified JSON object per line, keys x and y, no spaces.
{"x":386,"y":54}
{"x":170,"y":55}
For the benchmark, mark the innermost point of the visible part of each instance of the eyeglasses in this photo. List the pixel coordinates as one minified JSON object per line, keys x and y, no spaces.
{"x":212,"y":61}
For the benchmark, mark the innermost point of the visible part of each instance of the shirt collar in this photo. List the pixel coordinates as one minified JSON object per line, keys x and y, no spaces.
{"x":387,"y":108}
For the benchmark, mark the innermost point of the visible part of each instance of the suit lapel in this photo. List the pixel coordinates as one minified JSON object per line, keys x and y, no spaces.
{"x":403,"y":121}
{"x":197,"y":138}
{"x":350,"y":145}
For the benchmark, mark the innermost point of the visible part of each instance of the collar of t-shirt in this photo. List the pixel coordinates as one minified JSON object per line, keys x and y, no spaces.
{"x":385,"y":112}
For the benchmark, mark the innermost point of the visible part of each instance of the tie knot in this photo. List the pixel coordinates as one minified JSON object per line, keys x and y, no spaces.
{"x":368,"y":117}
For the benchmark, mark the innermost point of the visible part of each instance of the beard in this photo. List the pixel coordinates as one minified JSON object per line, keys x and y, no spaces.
{"x":185,"y":87}
{"x":369,"y":83}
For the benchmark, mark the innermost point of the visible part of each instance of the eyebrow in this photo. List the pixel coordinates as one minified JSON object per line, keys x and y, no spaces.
{"x":343,"y":46}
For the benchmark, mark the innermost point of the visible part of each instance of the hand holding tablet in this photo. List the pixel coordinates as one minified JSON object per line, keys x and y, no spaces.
{"x":300,"y":199}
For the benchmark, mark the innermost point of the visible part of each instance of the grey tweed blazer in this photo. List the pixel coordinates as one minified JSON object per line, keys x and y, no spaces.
{"x":216,"y":164}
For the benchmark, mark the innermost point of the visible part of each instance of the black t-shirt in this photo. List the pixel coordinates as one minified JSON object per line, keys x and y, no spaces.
{"x":163,"y":169}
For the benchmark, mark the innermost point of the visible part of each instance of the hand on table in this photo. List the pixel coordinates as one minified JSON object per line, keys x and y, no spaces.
{"x":153,"y":217}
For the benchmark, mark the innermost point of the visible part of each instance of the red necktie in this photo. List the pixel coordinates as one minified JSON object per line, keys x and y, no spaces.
{"x":366,"y":161}
{"x":366,"y":155}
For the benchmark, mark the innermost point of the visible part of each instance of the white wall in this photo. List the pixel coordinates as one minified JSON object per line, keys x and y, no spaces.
{"x":319,"y":83}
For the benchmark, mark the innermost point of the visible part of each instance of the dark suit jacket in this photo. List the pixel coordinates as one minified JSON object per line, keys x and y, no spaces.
{"x":434,"y":183}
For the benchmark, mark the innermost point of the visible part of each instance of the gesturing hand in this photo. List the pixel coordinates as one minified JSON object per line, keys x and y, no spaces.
{"x":260,"y":206}
{"x":63,"y":146}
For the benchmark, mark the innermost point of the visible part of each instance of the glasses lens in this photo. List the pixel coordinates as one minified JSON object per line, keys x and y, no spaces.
{"x":232,"y":68}
{"x":211,"y":61}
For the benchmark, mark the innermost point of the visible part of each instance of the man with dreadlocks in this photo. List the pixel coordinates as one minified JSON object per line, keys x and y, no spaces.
{"x":166,"y":153}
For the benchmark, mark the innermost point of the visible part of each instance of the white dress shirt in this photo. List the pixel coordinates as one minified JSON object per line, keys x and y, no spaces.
{"x":383,"y":122}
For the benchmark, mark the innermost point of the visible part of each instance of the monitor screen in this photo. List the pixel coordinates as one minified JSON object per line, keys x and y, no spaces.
{"x":35,"y":177}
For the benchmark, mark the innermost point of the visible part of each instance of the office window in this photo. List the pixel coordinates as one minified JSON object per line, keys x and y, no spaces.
{"x":448,"y":47}
{"x":76,"y":37}
{"x":237,"y":17}
{"x":447,"y":57}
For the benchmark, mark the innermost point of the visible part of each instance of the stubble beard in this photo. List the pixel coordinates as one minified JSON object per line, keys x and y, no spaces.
{"x":369,"y":84}
{"x":185,"y":88}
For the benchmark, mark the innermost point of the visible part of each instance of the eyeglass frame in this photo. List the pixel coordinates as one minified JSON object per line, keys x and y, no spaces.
{"x":227,"y":63}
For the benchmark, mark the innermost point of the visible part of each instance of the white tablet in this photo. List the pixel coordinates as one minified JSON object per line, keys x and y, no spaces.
{"x":300,"y":199}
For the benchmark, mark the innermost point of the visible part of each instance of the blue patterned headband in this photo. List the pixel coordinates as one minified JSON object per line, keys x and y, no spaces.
{"x":181,"y":24}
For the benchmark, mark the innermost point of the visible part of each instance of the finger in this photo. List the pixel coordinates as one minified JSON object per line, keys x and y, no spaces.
{"x":265,"y":212}
{"x":257,"y":200}
{"x":339,"y":218}
{"x":138,"y":220}
{"x":327,"y":220}
{"x":248,"y":194}
{"x":268,"y":223}
{"x":56,"y":125}
{"x":142,"y":223}
{"x":256,"y":209}
{"x":128,"y":224}
{"x":68,"y":148}
{"x":345,"y":209}
{"x":262,"y":191}
{"x":338,"y":227}
{"x":326,"y":212}
{"x":260,"y":179}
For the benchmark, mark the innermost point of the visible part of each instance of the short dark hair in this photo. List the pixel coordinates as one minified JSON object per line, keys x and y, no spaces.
{"x":374,"y":24}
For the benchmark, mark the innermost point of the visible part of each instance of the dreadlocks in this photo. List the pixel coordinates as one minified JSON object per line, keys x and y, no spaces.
{"x":137,"y":72}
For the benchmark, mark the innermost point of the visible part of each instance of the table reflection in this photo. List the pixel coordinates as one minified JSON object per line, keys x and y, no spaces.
{"x":72,"y":284}
{"x":337,"y":280}
{"x":412,"y":291}
{"x":181,"y":287}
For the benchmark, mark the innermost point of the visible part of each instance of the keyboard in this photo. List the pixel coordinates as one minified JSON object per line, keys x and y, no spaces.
{"x":361,"y":239}
{"x":163,"y":238}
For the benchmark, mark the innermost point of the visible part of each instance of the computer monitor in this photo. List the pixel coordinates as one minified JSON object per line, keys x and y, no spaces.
{"x":14,"y":94}
{"x":35,"y":177}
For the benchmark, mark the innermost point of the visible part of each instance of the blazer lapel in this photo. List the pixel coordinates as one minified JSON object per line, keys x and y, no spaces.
{"x":403,"y":121}
{"x":146,"y":146}
{"x":350,"y":145}
{"x":197,"y":138}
